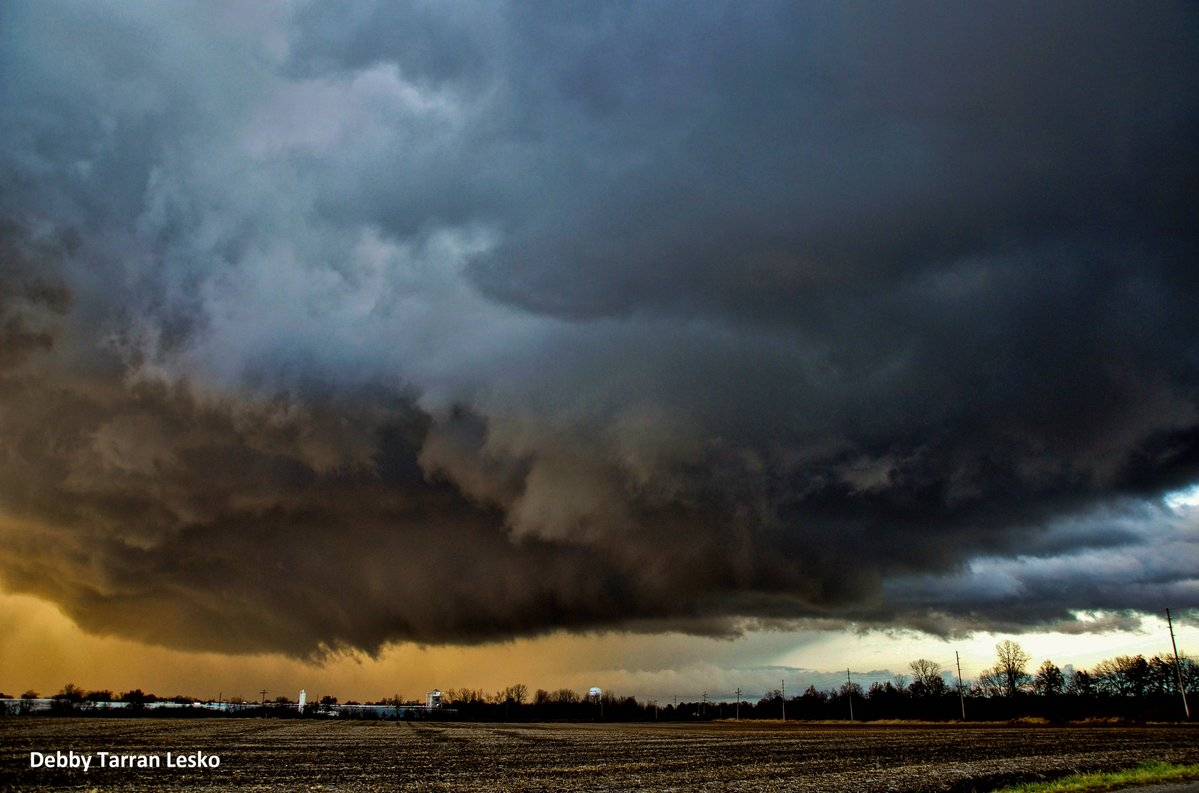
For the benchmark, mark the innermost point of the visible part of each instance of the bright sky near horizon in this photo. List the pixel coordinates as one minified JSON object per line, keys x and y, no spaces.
{"x":42,"y":649}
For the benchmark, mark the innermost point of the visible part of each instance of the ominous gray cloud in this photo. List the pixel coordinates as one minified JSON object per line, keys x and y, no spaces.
{"x":323,"y":327}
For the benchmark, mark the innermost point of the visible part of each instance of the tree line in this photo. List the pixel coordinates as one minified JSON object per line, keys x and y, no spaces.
{"x":1125,"y":687}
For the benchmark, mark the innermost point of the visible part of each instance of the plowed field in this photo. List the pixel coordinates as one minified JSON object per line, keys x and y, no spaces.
{"x":277,"y":755}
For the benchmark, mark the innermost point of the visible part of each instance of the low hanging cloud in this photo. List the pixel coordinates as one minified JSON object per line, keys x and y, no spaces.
{"x":322,"y":330}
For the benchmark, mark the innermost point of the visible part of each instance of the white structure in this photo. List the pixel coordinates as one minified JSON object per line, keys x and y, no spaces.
{"x":303,"y":699}
{"x":595,"y":692}
{"x":433,"y":699}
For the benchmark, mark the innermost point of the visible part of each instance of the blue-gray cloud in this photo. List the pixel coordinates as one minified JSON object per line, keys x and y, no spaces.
{"x":483,"y":320}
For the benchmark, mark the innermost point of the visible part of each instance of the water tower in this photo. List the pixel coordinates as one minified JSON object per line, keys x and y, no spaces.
{"x":596,"y":696}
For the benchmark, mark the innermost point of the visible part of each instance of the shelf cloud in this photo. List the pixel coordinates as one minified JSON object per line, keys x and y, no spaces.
{"x":323,"y":329}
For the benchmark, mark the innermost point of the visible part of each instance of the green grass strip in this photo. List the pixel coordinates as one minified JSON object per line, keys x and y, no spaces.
{"x":1147,"y":774}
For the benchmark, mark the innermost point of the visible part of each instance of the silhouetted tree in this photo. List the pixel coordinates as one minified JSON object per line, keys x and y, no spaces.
{"x":1161,"y":675}
{"x":1123,"y":676}
{"x":517,"y":692}
{"x":70,"y":693}
{"x":1081,"y":684}
{"x":1012,"y":663}
{"x":564,"y":696}
{"x":990,"y":683}
{"x":1049,"y":680}
{"x":926,"y":678}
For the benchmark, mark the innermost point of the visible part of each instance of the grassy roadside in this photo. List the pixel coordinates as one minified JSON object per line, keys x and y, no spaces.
{"x":1147,"y":774}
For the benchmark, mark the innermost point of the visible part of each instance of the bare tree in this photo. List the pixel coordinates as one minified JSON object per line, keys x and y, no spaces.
{"x":1049,"y":680}
{"x":565,"y":696}
{"x":518,"y":693}
{"x":990,"y":682}
{"x":1012,"y":664}
{"x":926,"y":677}
{"x":1123,"y":676}
{"x":1081,"y":684}
{"x":70,"y":693}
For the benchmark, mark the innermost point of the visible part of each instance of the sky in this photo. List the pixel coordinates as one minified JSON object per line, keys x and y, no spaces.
{"x":659,"y":345}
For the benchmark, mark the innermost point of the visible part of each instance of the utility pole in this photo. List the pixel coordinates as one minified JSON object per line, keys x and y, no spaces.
{"x":1178,"y":667}
{"x":264,"y":703}
{"x":703,"y":708}
{"x":849,"y":693}
{"x":783,"y":690}
{"x":961,"y":697}
{"x":738,"y":693}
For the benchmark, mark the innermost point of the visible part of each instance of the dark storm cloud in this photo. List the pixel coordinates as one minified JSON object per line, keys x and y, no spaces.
{"x":457,"y":322}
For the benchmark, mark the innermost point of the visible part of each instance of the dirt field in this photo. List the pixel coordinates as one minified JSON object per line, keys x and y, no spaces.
{"x":275,"y":755}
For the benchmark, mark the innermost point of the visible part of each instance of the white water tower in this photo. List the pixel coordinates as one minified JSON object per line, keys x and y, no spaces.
{"x":303,"y":700}
{"x":595,"y":695}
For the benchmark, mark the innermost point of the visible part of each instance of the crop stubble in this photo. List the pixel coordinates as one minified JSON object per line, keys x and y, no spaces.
{"x":272,"y":755}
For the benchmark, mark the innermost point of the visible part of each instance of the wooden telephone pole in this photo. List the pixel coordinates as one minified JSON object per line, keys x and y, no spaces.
{"x":849,"y":693}
{"x":957,"y":659}
{"x":783,"y":689}
{"x":1178,"y":667}
{"x":738,"y":693}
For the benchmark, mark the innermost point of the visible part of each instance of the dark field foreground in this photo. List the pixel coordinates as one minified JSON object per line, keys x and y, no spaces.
{"x":260,"y":754}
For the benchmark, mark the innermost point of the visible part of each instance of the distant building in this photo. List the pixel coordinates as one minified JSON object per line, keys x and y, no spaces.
{"x":433,"y":699}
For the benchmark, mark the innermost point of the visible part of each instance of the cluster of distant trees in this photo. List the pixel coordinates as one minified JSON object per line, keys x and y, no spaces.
{"x":73,"y":694}
{"x":1125,"y":687}
{"x":71,"y":698}
{"x":1130,"y":687}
